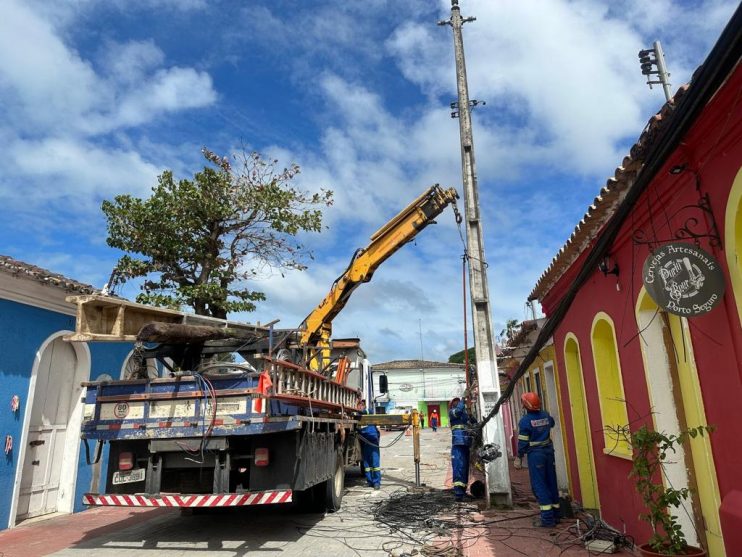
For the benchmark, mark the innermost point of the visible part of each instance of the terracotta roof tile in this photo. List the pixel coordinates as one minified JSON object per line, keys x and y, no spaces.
{"x":17,"y":268}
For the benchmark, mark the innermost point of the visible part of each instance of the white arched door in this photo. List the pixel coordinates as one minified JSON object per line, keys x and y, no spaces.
{"x":51,"y":439}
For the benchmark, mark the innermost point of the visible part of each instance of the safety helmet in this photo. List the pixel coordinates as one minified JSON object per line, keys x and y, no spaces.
{"x":531,"y":401}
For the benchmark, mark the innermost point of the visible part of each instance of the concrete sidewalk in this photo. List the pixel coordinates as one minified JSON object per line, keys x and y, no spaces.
{"x":510,"y":533}
{"x":353,"y":531}
{"x":37,"y":538}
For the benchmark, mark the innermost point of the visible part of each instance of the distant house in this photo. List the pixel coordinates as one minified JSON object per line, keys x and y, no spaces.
{"x":43,"y":471}
{"x":646,"y":296}
{"x":420,"y":384}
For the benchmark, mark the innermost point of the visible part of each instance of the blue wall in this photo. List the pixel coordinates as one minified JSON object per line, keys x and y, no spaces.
{"x":23,"y":329}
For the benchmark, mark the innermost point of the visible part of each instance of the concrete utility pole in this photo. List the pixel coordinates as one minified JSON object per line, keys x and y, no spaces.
{"x":497,"y":474}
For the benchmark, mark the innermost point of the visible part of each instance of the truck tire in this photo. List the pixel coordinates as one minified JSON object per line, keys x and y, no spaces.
{"x":335,"y":485}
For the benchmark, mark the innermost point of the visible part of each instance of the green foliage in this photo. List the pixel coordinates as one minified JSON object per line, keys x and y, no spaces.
{"x":508,"y":333}
{"x":199,"y":241}
{"x":458,"y":357}
{"x":651,"y":448}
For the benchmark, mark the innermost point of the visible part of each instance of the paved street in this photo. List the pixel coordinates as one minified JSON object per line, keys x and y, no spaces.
{"x":352,"y":532}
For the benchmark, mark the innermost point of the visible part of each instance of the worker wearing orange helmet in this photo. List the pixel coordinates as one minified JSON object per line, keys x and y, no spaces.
{"x":534,"y":440}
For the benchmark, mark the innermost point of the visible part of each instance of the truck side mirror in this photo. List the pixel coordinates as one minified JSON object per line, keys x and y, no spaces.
{"x":383,"y":384}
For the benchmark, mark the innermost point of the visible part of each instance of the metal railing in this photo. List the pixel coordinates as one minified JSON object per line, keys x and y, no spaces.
{"x":293,"y":382}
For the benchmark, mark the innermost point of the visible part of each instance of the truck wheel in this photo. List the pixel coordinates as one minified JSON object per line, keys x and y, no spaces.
{"x":335,"y":486}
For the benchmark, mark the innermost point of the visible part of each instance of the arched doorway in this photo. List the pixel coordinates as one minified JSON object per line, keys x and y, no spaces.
{"x":733,"y":239}
{"x":677,"y":403}
{"x":581,"y":424}
{"x":551,"y":405}
{"x":45,"y":479}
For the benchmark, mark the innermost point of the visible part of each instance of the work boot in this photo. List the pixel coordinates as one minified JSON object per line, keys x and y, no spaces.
{"x":538,"y":524}
{"x":377,"y":487}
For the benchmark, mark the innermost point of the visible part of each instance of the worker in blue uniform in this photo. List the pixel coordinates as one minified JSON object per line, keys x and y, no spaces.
{"x":534,"y":440}
{"x":460,"y":443}
{"x":370,"y":452}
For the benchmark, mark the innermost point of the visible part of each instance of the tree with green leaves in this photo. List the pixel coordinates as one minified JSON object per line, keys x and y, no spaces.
{"x":197,"y":243}
{"x":458,"y":357}
{"x":508,"y":333}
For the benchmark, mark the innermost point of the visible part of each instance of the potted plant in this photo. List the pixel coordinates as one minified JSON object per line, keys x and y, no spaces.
{"x":651,"y":448}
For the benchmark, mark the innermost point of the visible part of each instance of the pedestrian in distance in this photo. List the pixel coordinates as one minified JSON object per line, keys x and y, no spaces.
{"x":370,"y":452}
{"x":434,"y":420}
{"x":534,"y":440}
{"x":461,"y":439}
{"x":422,"y":421}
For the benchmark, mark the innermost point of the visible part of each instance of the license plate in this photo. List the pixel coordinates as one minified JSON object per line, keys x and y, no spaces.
{"x":129,"y":476}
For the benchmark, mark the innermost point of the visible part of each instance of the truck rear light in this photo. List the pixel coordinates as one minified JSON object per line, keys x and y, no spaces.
{"x":261,"y":457}
{"x":126,"y":461}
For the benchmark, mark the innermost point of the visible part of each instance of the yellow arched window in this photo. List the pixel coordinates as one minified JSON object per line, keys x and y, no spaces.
{"x":610,"y":387}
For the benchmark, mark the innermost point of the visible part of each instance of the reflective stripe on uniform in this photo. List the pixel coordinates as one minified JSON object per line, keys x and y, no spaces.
{"x":555,"y":506}
{"x":539,"y":443}
{"x":457,"y":427}
{"x":374,"y":469}
{"x":459,"y":484}
{"x":545,"y":507}
{"x":523,"y":437}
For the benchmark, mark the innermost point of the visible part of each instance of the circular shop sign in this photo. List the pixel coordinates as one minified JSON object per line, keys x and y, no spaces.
{"x":121,"y":410}
{"x":405,"y":387}
{"x":683,"y":279}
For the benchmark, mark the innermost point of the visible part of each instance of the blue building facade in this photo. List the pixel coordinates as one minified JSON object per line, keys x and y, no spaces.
{"x":44,"y":469}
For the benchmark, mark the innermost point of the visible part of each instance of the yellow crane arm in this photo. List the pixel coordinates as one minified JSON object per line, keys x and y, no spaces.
{"x":317,"y":327}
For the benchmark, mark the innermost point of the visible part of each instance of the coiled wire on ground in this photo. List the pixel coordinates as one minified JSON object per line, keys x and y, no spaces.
{"x":367,"y":442}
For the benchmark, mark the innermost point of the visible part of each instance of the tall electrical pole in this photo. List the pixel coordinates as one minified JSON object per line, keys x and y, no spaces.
{"x":496,"y":472}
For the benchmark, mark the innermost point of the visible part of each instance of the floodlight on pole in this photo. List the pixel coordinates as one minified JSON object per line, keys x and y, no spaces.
{"x":648,"y":59}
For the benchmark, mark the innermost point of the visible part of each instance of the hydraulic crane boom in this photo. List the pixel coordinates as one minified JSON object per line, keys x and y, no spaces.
{"x":317,"y":327}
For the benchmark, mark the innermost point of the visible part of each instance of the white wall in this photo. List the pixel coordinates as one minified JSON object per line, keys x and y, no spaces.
{"x":430,"y":384}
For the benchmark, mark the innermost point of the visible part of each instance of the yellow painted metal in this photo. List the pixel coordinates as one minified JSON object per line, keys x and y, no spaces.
{"x":610,"y":387}
{"x":317,"y":327}
{"x":581,"y":424}
{"x":385,"y":419}
{"x":701,"y":452}
{"x":416,"y":435}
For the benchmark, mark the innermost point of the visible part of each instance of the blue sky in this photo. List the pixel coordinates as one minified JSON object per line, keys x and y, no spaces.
{"x":98,"y":98}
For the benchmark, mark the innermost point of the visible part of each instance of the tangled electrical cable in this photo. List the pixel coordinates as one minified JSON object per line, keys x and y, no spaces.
{"x":588,"y":528}
{"x":207,"y":388}
{"x":432,"y":520}
{"x":367,"y":442}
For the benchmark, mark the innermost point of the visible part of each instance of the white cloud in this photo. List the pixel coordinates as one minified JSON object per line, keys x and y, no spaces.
{"x":168,"y":90}
{"x":574,"y":83}
{"x":48,"y":87}
{"x":131,"y":61}
{"x":87,"y":171}
{"x":67,"y":117}
{"x":43,"y":83}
